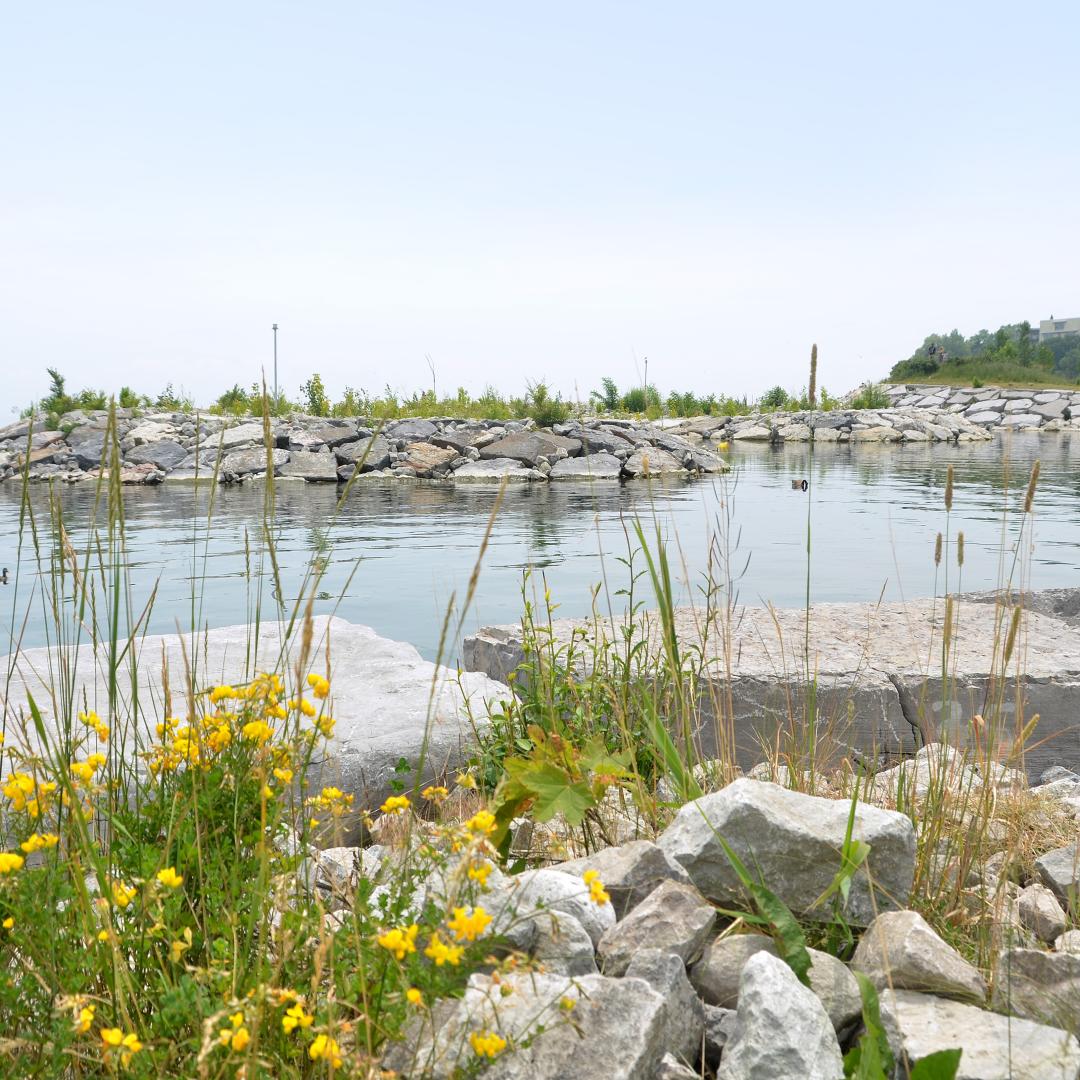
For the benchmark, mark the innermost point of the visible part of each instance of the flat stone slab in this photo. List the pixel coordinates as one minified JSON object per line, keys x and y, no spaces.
{"x":878,"y":671}
{"x":380,"y":695}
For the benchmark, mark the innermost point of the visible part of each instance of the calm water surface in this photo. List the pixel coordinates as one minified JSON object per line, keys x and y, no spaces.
{"x":397,"y":552}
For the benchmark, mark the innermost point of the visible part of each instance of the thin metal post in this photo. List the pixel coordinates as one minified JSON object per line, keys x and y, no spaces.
{"x":275,"y":366}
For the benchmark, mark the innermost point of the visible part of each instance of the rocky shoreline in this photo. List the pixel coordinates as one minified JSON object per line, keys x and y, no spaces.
{"x":994,"y":407}
{"x":186,"y":447}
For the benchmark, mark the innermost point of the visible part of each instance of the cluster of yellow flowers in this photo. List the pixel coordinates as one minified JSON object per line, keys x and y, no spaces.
{"x":487,"y":1044}
{"x":396,"y":804}
{"x":597,"y":893}
{"x":114,"y":1039}
{"x":331,"y":799}
{"x":236,"y":1036}
{"x":27,"y":794}
{"x":95,"y":723}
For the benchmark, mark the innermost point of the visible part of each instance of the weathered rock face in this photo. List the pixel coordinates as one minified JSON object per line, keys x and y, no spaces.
{"x":872,"y":681}
{"x":373,"y":452}
{"x":717,"y":975}
{"x":652,"y":461}
{"x":1041,"y":986}
{"x":589,"y":467}
{"x":380,"y":696}
{"x":495,"y":471}
{"x":163,"y":454}
{"x":244,"y":462}
{"x":548,"y":890}
{"x":1041,"y":913}
{"x":529,"y":447}
{"x":793,"y":842}
{"x":1059,"y":871}
{"x":320,"y":466}
{"x":426,"y":459}
{"x":630,"y":872}
{"x":993,"y":1047}
{"x":993,"y":407}
{"x":675,"y":918}
{"x":684,"y":1014}
{"x":899,"y":949}
{"x":781,"y":1029}
{"x":619,"y":1030}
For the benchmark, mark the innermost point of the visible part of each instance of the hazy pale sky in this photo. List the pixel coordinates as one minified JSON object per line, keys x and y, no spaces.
{"x":526,"y":190}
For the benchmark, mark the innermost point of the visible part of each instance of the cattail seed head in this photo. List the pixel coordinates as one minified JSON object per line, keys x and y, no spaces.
{"x":960,"y":549}
{"x":937,"y":550}
{"x":948,"y":487}
{"x":1010,"y":640}
{"x":1029,"y":498}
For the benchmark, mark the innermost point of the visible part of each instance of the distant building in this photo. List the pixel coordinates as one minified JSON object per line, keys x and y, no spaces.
{"x":1052,"y":327}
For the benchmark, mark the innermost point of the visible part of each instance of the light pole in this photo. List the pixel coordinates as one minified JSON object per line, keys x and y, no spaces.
{"x":275,"y":365}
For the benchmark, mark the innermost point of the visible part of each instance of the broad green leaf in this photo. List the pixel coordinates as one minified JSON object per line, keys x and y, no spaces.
{"x":943,"y":1065}
{"x":871,"y":1058}
{"x":556,"y":793}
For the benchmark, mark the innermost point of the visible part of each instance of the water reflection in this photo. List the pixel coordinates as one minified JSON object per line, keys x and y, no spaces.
{"x":874,"y":510}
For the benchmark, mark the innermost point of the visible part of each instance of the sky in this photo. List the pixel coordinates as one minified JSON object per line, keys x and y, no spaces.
{"x":519,"y":192}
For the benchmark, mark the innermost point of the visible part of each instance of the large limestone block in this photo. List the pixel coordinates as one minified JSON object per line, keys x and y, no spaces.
{"x":380,"y":691}
{"x":529,"y":446}
{"x":781,"y":1028}
{"x":993,"y":1047}
{"x":899,"y":949}
{"x":793,"y":843}
{"x":616,"y":1029}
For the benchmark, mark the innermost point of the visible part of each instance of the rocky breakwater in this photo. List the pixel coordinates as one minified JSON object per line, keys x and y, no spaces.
{"x":175,"y":446}
{"x":995,"y":408}
{"x":629,"y":961}
{"x":894,"y":425}
{"x":877,"y":696}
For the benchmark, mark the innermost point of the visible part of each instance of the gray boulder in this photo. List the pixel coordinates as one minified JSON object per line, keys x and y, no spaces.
{"x":1059,"y":871}
{"x":387,"y":700}
{"x":683,"y":1009}
{"x":561,"y":945}
{"x":244,"y":462}
{"x":674,"y":918}
{"x":527,"y":446}
{"x":590,"y":467}
{"x":164,"y":454}
{"x":615,"y":1028}
{"x":670,"y":1068}
{"x":781,"y":1029}
{"x":792,"y":842}
{"x":716,"y":977}
{"x":900,"y":949}
{"x":649,"y":461}
{"x":407,"y":431}
{"x":238,"y":435}
{"x":87,"y":447}
{"x":548,"y":890}
{"x":993,"y":1047}
{"x":630,"y":871}
{"x":1041,"y":913}
{"x":1043,"y":986}
{"x":316,"y":467}
{"x":495,"y":470}
{"x":374,"y":452}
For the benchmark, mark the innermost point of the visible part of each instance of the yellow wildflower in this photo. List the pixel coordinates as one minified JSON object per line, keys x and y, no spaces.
{"x":284,"y":775}
{"x":9,"y":861}
{"x":221,"y":693}
{"x":85,"y":1019}
{"x":396,"y":804}
{"x":468,"y":927}
{"x":482,"y":823}
{"x":434,"y":793}
{"x":320,"y":687}
{"x":327,"y":1049}
{"x":257,"y":731}
{"x":325,"y":726}
{"x":480,"y":871}
{"x":567,"y":1004}
{"x":180,"y":946}
{"x":487,"y":1044}
{"x":122,"y":894}
{"x":597,"y":893}
{"x":399,"y":941}
{"x":296,"y":1018}
{"x":442,"y":953}
{"x":170,"y":878}
{"x":466,"y":781}
{"x":103,"y":935}
{"x":413,"y":996}
{"x":8,"y":923}
{"x":37,"y":841}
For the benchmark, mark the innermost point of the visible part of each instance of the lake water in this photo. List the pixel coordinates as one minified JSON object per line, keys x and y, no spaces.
{"x":397,"y":552}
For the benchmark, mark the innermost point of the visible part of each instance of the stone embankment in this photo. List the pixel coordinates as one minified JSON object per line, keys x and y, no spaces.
{"x":179,"y":446}
{"x":183,"y":447}
{"x":993,"y":407}
{"x":880,"y":691}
